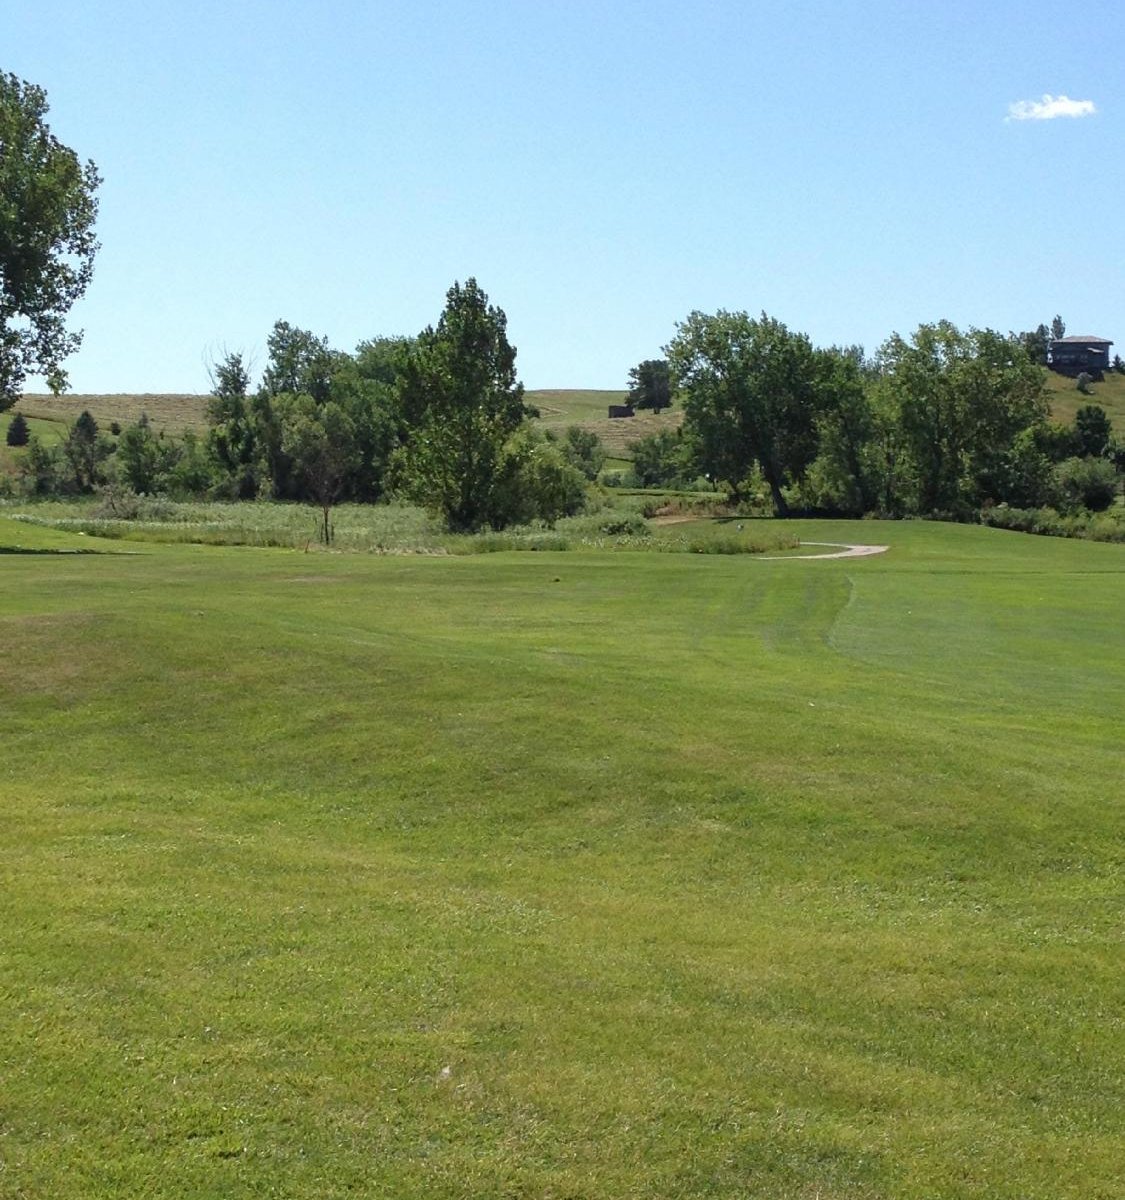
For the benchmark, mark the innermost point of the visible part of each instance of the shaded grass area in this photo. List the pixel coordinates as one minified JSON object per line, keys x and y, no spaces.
{"x":583,"y":875}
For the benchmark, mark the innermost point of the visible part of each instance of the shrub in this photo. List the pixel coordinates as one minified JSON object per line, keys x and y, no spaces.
{"x":1046,"y":521}
{"x":584,"y":451}
{"x":1089,"y":483}
{"x":1082,"y":383}
{"x":1092,"y":431}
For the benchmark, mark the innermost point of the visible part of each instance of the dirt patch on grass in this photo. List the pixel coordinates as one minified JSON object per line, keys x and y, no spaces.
{"x":673,"y":519}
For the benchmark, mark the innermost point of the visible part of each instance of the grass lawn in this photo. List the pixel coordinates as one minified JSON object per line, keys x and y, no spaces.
{"x":562,"y":875}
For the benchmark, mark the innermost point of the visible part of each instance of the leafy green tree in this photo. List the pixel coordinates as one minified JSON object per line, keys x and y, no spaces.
{"x":42,"y":469}
{"x":962,"y":398}
{"x":300,"y":363}
{"x":147,"y":463}
{"x":47,"y":243}
{"x":364,"y":385}
{"x":1036,"y":342}
{"x":464,"y":403}
{"x":1056,"y":441}
{"x":1058,"y":328}
{"x":650,"y":385}
{"x":1027,"y":475}
{"x":1092,"y":431}
{"x":18,"y":432}
{"x":139,"y":458}
{"x":320,"y":441}
{"x":845,"y":474}
{"x":751,"y":392}
{"x":663,"y":460}
{"x":192,"y":471}
{"x":232,"y":440}
{"x":86,"y":451}
{"x":541,"y":484}
{"x":582,"y":448}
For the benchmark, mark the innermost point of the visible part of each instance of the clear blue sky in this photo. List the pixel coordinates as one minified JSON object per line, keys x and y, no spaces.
{"x":601,"y":168}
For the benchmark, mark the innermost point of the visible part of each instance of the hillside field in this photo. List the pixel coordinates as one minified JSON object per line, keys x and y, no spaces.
{"x":174,"y":414}
{"x":587,"y":874}
{"x":1065,"y":399}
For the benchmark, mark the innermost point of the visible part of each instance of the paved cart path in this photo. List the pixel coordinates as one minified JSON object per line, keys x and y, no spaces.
{"x":842,"y":550}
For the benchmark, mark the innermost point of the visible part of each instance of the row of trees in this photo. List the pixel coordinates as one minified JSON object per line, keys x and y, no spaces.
{"x":439,"y":419}
{"x":945,"y":422}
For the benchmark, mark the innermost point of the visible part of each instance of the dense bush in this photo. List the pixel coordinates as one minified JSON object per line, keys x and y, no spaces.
{"x":1086,"y":483}
{"x":1105,"y":527}
{"x":663,"y":460}
{"x":584,"y":451}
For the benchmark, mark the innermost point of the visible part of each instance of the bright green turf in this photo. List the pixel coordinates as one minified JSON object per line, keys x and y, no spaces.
{"x":575,"y":875}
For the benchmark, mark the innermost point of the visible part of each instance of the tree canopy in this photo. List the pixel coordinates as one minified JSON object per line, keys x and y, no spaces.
{"x":464,"y":402}
{"x":650,"y":385}
{"x":750,"y":389}
{"x":47,"y":244}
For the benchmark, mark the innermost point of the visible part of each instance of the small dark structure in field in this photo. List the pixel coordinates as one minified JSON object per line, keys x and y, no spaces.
{"x":620,"y":410}
{"x":1073,"y":355}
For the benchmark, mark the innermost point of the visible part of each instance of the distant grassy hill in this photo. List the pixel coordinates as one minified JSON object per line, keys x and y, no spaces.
{"x":1066,"y":399}
{"x":588,"y":409}
{"x":172,"y":413}
{"x":175,"y":413}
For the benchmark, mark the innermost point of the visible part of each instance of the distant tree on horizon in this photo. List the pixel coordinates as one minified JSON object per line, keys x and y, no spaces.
{"x":650,"y":385}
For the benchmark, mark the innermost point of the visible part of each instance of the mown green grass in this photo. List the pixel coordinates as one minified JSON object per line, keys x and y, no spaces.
{"x":574,"y":875}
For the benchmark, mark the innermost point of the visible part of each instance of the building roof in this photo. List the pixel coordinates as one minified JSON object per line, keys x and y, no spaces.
{"x":1081,"y":340}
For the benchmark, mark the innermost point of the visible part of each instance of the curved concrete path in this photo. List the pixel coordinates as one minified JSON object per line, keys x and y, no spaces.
{"x":842,"y":550}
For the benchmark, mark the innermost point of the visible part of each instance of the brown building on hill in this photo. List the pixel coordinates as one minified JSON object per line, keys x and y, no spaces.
{"x":1073,"y":355}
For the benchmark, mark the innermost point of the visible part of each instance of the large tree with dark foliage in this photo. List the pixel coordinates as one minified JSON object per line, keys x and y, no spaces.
{"x":962,"y":399}
{"x":751,"y":390}
{"x":47,"y":244}
{"x":464,"y":403}
{"x":650,"y":385}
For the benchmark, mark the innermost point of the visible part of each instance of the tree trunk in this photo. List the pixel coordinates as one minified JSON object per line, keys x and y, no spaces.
{"x":779,"y":505}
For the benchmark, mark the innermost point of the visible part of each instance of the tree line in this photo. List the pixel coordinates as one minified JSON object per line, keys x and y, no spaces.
{"x":943,"y":423}
{"x":439,"y":419}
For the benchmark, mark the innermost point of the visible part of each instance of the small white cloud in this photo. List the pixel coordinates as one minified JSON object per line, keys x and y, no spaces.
{"x":1049,"y":108}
